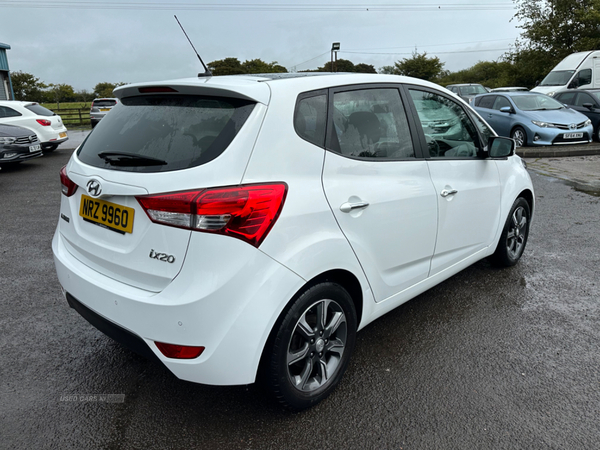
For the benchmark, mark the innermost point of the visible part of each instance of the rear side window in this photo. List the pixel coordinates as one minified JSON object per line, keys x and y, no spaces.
{"x":8,"y":112}
{"x":39,"y":110}
{"x":310,"y":119}
{"x":160,"y":133}
{"x":567,"y":98}
{"x":485,"y":102}
{"x":371,"y":123}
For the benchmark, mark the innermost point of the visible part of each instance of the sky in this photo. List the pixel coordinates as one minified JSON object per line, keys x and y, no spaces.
{"x":85,"y":42}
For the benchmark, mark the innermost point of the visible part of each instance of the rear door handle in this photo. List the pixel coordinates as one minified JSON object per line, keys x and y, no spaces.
{"x":347,"y":207}
{"x":446,"y":192}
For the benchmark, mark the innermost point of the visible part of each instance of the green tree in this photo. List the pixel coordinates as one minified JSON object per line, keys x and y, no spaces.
{"x":489,"y":73}
{"x":27,"y":87}
{"x":84,"y":96}
{"x":57,"y":93}
{"x":387,"y":70}
{"x":106,"y":89}
{"x":341,"y":65}
{"x":559,"y":27}
{"x":260,"y":66}
{"x":227,"y":66}
{"x":364,"y":68}
{"x":419,"y":66}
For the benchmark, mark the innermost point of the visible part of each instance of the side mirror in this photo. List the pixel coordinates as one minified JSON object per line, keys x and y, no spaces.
{"x":588,"y":105}
{"x":506,"y":109}
{"x":573,"y":84}
{"x":501,"y":147}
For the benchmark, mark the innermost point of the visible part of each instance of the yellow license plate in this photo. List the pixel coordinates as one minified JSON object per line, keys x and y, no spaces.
{"x":104,"y":109}
{"x":62,"y":134}
{"x":109,"y":215}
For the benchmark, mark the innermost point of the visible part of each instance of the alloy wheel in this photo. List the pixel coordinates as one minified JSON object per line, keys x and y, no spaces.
{"x":517,"y":232}
{"x":316,"y":346}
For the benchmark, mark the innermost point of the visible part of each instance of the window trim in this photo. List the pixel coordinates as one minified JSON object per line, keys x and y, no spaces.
{"x":361,"y":87}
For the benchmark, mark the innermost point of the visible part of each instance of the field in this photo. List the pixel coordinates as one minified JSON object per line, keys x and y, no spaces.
{"x":73,"y":114}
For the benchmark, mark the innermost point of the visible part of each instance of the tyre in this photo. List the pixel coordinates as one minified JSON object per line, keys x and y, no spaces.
{"x":310,"y":346}
{"x":514,"y":235}
{"x":520,"y":136}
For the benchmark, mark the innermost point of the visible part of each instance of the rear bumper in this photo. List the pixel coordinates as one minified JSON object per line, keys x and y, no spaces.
{"x":112,"y":330}
{"x":230,"y":317}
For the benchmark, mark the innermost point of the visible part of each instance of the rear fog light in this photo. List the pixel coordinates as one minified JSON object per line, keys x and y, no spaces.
{"x":179,"y":351}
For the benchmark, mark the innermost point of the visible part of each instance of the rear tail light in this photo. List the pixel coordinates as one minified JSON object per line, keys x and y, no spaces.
{"x":67,"y":186}
{"x":43,"y":122}
{"x":245,"y":212}
{"x":179,"y":351}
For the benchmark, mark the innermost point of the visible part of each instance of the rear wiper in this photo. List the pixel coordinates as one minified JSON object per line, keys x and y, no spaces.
{"x":130,"y":159}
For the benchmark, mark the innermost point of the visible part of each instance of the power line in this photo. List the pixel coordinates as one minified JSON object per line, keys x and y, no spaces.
{"x":430,"y":45}
{"x":433,"y":53}
{"x":349,"y":7}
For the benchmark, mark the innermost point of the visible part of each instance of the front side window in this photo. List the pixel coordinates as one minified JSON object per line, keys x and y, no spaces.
{"x":370,"y":123}
{"x":584,"y":77}
{"x":584,"y":98}
{"x":501,"y":102}
{"x":449,"y":132}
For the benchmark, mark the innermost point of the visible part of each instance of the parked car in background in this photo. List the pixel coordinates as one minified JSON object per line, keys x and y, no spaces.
{"x":510,"y":89}
{"x":531,"y":118}
{"x":100,"y":107}
{"x":237,"y":228}
{"x":587,"y":102}
{"x":18,"y":144}
{"x":48,"y":126}
{"x":467,"y":91}
{"x":579,"y":70}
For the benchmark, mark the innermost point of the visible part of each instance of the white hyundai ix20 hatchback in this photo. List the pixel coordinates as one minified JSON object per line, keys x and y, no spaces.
{"x":246,"y":227}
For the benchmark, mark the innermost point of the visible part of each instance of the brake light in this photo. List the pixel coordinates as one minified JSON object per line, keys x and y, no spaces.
{"x":67,"y":186}
{"x":179,"y":351}
{"x":155,"y":89}
{"x":43,"y":122}
{"x":245,"y":212}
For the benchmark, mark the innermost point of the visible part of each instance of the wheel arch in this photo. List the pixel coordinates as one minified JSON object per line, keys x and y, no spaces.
{"x":528,"y":196}
{"x":342,"y":277}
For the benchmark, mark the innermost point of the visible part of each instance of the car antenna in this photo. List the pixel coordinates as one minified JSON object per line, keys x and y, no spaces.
{"x":207,"y":72}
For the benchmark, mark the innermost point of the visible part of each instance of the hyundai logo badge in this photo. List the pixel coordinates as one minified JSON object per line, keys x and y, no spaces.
{"x":94,"y":188}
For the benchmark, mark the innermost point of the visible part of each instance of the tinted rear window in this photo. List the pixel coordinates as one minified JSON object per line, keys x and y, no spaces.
{"x":101,"y":103}
{"x":182,"y":130}
{"x":39,"y":110}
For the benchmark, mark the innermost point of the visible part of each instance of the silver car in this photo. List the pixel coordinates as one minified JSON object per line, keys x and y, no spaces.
{"x":100,"y":107}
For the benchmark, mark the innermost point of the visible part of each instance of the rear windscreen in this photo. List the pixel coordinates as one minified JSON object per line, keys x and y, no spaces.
{"x":101,"y":103}
{"x":173,"y":132}
{"x":39,"y":110}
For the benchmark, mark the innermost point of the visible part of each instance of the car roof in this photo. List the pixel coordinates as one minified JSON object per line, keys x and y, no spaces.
{"x":259,"y":87}
{"x":465,"y":84}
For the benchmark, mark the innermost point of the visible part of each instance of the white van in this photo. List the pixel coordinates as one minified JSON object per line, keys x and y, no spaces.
{"x":578,"y":70}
